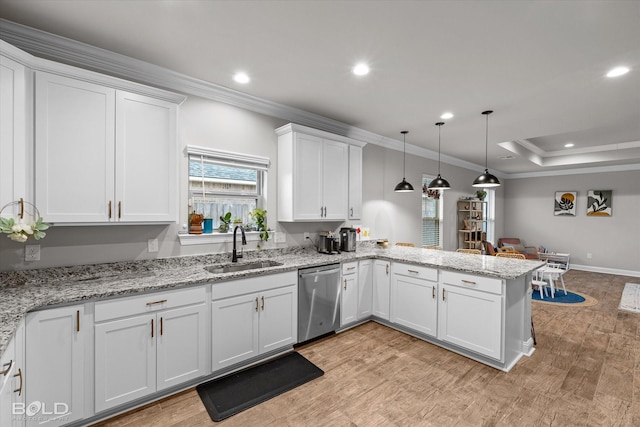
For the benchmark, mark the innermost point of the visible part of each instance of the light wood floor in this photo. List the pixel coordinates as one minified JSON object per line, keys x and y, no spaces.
{"x":585,"y":372}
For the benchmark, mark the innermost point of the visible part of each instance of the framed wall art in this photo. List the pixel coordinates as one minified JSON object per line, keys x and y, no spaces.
{"x":599,"y":202}
{"x":565,"y":203}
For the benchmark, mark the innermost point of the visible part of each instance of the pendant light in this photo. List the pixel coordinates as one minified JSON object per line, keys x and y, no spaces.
{"x":486,"y":179}
{"x":404,"y":186}
{"x":439,"y":183}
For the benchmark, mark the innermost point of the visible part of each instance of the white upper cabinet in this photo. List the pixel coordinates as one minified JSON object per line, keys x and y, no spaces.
{"x":313,"y":174}
{"x":103,"y":154}
{"x":355,"y":181}
{"x":74,"y":137}
{"x":15,"y":138}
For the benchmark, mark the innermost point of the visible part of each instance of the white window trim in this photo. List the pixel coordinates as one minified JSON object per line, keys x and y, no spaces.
{"x":231,"y":159}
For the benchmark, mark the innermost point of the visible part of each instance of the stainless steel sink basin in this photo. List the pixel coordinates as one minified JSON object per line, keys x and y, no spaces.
{"x":228,"y":268}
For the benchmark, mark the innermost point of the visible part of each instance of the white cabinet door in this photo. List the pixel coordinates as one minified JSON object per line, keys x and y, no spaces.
{"x":365,"y":288}
{"x":15,"y":161}
{"x":55,"y":348}
{"x":125,"y":360}
{"x":381,"y":289}
{"x":335,"y":181}
{"x":471,"y":319}
{"x":414,"y":303}
{"x":355,"y":181}
{"x":349,"y":299}
{"x":234,"y":325}
{"x":146,"y":177}
{"x":74,"y":149}
{"x":278,"y":318}
{"x":308,"y":181}
{"x":8,"y":368}
{"x":182,"y":345}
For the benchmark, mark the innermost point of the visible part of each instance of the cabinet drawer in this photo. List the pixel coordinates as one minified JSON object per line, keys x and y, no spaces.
{"x":349,"y":268}
{"x":470,"y":281}
{"x":425,"y":273}
{"x":147,"y":303}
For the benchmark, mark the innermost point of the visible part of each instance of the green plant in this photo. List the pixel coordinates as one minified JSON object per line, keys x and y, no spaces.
{"x":225,"y":221}
{"x":260,"y":218}
{"x":21,"y":231}
{"x":481,"y":194}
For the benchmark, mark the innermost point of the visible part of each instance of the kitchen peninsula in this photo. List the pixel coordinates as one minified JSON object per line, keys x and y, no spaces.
{"x":478,"y":306}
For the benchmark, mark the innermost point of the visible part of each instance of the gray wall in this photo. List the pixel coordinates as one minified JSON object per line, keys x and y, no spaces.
{"x":396,"y":216}
{"x":614,"y":242}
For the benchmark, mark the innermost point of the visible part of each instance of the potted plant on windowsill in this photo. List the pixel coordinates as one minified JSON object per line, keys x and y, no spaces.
{"x":260,"y":218}
{"x":225,"y":221}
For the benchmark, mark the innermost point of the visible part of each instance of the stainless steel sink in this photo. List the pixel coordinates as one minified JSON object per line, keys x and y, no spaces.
{"x":228,"y":268}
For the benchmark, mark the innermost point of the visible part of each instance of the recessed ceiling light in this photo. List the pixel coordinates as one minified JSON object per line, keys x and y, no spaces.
{"x":446,"y":116}
{"x":361,"y":69}
{"x":569,"y":145}
{"x":241,"y":78}
{"x":618,"y":71}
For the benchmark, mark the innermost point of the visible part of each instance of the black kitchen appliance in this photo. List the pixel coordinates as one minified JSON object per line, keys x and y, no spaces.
{"x":328,"y":243}
{"x":348,"y":239}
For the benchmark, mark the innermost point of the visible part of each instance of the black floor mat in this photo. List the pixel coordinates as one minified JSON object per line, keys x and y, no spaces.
{"x":236,"y":392}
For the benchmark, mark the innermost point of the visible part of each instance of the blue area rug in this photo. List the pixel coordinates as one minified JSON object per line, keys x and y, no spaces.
{"x":560,"y":297}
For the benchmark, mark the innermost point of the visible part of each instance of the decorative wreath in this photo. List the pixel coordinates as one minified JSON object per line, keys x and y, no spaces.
{"x":28,"y":224}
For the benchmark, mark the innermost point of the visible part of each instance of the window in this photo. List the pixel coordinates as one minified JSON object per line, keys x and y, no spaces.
{"x":490,"y":215}
{"x":431,"y":215}
{"x":222,"y":181}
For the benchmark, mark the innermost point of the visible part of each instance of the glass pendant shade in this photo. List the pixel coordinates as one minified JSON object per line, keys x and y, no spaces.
{"x":439,"y":183}
{"x":404,"y":186}
{"x":486,"y":180}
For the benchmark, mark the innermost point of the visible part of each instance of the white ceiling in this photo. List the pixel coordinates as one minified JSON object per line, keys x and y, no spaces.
{"x":539,"y":65}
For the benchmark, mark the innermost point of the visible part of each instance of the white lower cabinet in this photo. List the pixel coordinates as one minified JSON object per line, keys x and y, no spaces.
{"x":349,"y":293}
{"x":471,"y":310}
{"x":381,"y":288}
{"x":253,"y":316}
{"x":365,"y":288}
{"x":54,"y":375}
{"x":12,"y":407}
{"x":414,"y":302}
{"x":147,"y":343}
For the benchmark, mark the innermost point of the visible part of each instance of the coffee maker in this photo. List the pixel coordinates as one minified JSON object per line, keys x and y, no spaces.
{"x":348,"y":239}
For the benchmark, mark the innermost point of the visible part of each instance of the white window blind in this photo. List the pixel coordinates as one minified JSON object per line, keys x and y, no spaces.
{"x":223,"y":181}
{"x":431,"y":216}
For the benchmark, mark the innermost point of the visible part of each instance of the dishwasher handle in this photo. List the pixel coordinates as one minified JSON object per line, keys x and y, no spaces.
{"x":320,"y":273}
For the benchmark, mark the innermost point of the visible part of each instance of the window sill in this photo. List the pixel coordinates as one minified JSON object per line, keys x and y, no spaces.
{"x":209,"y":238}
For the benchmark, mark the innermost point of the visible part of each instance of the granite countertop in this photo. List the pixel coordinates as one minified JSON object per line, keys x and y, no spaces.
{"x":28,"y":290}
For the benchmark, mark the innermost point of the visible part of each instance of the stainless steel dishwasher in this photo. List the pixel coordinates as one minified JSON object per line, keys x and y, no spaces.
{"x":318,"y":301}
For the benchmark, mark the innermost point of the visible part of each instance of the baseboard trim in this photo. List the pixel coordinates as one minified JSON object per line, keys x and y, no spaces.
{"x":605,"y":270}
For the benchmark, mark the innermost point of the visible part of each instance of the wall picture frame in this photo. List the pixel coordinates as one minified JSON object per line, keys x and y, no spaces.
{"x":599,"y":203}
{"x":565,"y":203}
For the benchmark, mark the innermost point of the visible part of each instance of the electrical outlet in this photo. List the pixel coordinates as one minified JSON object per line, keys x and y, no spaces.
{"x":32,"y":253}
{"x":589,"y":255}
{"x":152,"y":245}
{"x":306,"y":235}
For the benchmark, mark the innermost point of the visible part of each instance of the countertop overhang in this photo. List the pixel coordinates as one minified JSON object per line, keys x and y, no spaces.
{"x":29,"y":290}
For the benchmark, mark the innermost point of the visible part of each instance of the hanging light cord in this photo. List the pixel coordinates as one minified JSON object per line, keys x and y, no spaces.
{"x":486,"y":144}
{"x":404,"y":153}
{"x":439,"y":128}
